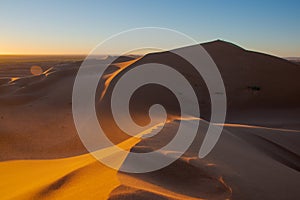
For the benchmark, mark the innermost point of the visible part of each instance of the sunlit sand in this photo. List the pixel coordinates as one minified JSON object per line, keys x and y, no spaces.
{"x":257,"y":156}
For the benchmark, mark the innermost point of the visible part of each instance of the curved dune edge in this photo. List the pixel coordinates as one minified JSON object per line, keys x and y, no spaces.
{"x":255,"y":161}
{"x":80,"y":177}
{"x":121,"y":66}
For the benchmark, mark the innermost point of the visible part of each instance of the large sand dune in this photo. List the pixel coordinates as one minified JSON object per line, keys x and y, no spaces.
{"x":257,"y":156}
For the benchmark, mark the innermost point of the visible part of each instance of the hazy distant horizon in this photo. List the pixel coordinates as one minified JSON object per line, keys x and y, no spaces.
{"x":63,"y":28}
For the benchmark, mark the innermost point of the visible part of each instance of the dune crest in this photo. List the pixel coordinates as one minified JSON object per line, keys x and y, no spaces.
{"x":257,"y":156}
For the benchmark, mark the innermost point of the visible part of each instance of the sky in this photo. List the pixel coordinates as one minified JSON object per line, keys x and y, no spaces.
{"x":76,"y":27}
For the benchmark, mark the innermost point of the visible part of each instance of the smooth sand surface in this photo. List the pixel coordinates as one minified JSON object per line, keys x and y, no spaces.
{"x":257,"y":156}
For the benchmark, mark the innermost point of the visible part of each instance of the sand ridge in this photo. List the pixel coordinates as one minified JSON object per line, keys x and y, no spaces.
{"x":257,"y":156}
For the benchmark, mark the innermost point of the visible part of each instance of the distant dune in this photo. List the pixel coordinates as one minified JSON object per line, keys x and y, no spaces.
{"x":294,"y":59}
{"x":257,"y":156}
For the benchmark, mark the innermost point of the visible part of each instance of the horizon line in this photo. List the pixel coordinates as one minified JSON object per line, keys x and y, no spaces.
{"x":85,"y":55}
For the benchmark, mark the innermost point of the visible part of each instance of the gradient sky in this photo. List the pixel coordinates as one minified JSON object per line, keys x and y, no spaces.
{"x":76,"y":27}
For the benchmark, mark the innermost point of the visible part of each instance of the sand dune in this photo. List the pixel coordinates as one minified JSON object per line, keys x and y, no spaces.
{"x":68,"y":178}
{"x":257,"y":156}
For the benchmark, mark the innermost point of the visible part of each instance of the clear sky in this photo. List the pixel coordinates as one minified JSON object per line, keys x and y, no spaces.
{"x":75,"y":27}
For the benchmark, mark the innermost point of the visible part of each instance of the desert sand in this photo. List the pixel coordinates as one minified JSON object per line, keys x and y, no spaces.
{"x":257,"y":156}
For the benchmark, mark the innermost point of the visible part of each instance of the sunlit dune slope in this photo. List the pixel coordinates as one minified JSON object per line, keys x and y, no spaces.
{"x":81,"y":177}
{"x":257,"y":156}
